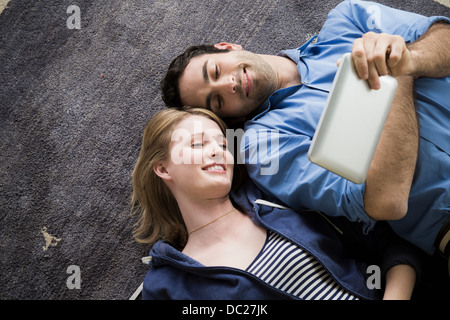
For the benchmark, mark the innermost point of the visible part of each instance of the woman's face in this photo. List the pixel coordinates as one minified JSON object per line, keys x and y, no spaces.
{"x":200,"y":165}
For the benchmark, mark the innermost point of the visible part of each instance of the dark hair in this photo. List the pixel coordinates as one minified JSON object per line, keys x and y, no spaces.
{"x":169,"y":84}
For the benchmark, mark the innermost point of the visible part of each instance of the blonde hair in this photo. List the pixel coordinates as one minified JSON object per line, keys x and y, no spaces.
{"x":159,"y":215}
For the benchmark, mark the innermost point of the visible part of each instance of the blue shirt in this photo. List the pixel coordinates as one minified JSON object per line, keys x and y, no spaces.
{"x":276,"y":141}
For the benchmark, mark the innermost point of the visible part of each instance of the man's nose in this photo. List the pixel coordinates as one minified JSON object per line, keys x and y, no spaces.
{"x":226,"y":84}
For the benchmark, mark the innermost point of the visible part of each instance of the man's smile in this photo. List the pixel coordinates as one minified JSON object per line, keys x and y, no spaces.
{"x":246,"y":82}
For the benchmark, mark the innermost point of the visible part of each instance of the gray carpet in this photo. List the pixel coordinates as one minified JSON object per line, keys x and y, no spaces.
{"x":73,"y":105}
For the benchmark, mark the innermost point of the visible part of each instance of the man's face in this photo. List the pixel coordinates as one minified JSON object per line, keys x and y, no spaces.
{"x":231,"y":84}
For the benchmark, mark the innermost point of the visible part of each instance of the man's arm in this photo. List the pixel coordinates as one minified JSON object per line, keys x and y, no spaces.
{"x":390,"y":175}
{"x":391,"y":172}
{"x":430,"y":54}
{"x":378,"y":54}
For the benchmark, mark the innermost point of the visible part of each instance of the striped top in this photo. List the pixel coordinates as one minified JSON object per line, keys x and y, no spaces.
{"x":285,"y":266}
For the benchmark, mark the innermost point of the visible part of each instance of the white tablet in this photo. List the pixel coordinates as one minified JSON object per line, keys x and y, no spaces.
{"x":351,"y":123}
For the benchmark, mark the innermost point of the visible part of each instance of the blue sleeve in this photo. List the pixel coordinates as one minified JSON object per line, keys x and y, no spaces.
{"x":382,"y":246}
{"x":394,"y":250}
{"x":279,"y":165}
{"x":362,"y":17}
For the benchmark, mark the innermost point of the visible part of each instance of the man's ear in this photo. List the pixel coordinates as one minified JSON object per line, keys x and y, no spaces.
{"x":161,"y":171}
{"x":229,"y":46}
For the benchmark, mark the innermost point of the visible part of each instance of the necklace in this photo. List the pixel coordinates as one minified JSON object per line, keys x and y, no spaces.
{"x":211,"y":222}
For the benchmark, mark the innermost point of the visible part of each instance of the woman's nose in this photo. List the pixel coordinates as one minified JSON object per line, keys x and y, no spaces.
{"x":215,"y":150}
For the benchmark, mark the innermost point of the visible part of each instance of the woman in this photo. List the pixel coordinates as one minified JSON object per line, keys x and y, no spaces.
{"x":210,"y":243}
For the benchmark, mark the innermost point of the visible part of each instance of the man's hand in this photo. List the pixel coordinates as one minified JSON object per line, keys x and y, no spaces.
{"x":380,"y":54}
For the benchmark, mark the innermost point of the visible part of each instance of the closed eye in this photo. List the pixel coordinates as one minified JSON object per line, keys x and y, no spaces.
{"x":197,"y":145}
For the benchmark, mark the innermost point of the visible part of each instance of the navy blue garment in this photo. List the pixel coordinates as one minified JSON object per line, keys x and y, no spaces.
{"x":174,"y":275}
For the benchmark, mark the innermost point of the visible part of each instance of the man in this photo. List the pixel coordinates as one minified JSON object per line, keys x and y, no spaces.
{"x":409,"y":179}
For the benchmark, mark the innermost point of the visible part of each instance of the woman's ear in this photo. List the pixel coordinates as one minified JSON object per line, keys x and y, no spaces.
{"x":228,"y":46}
{"x":161,"y":171}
